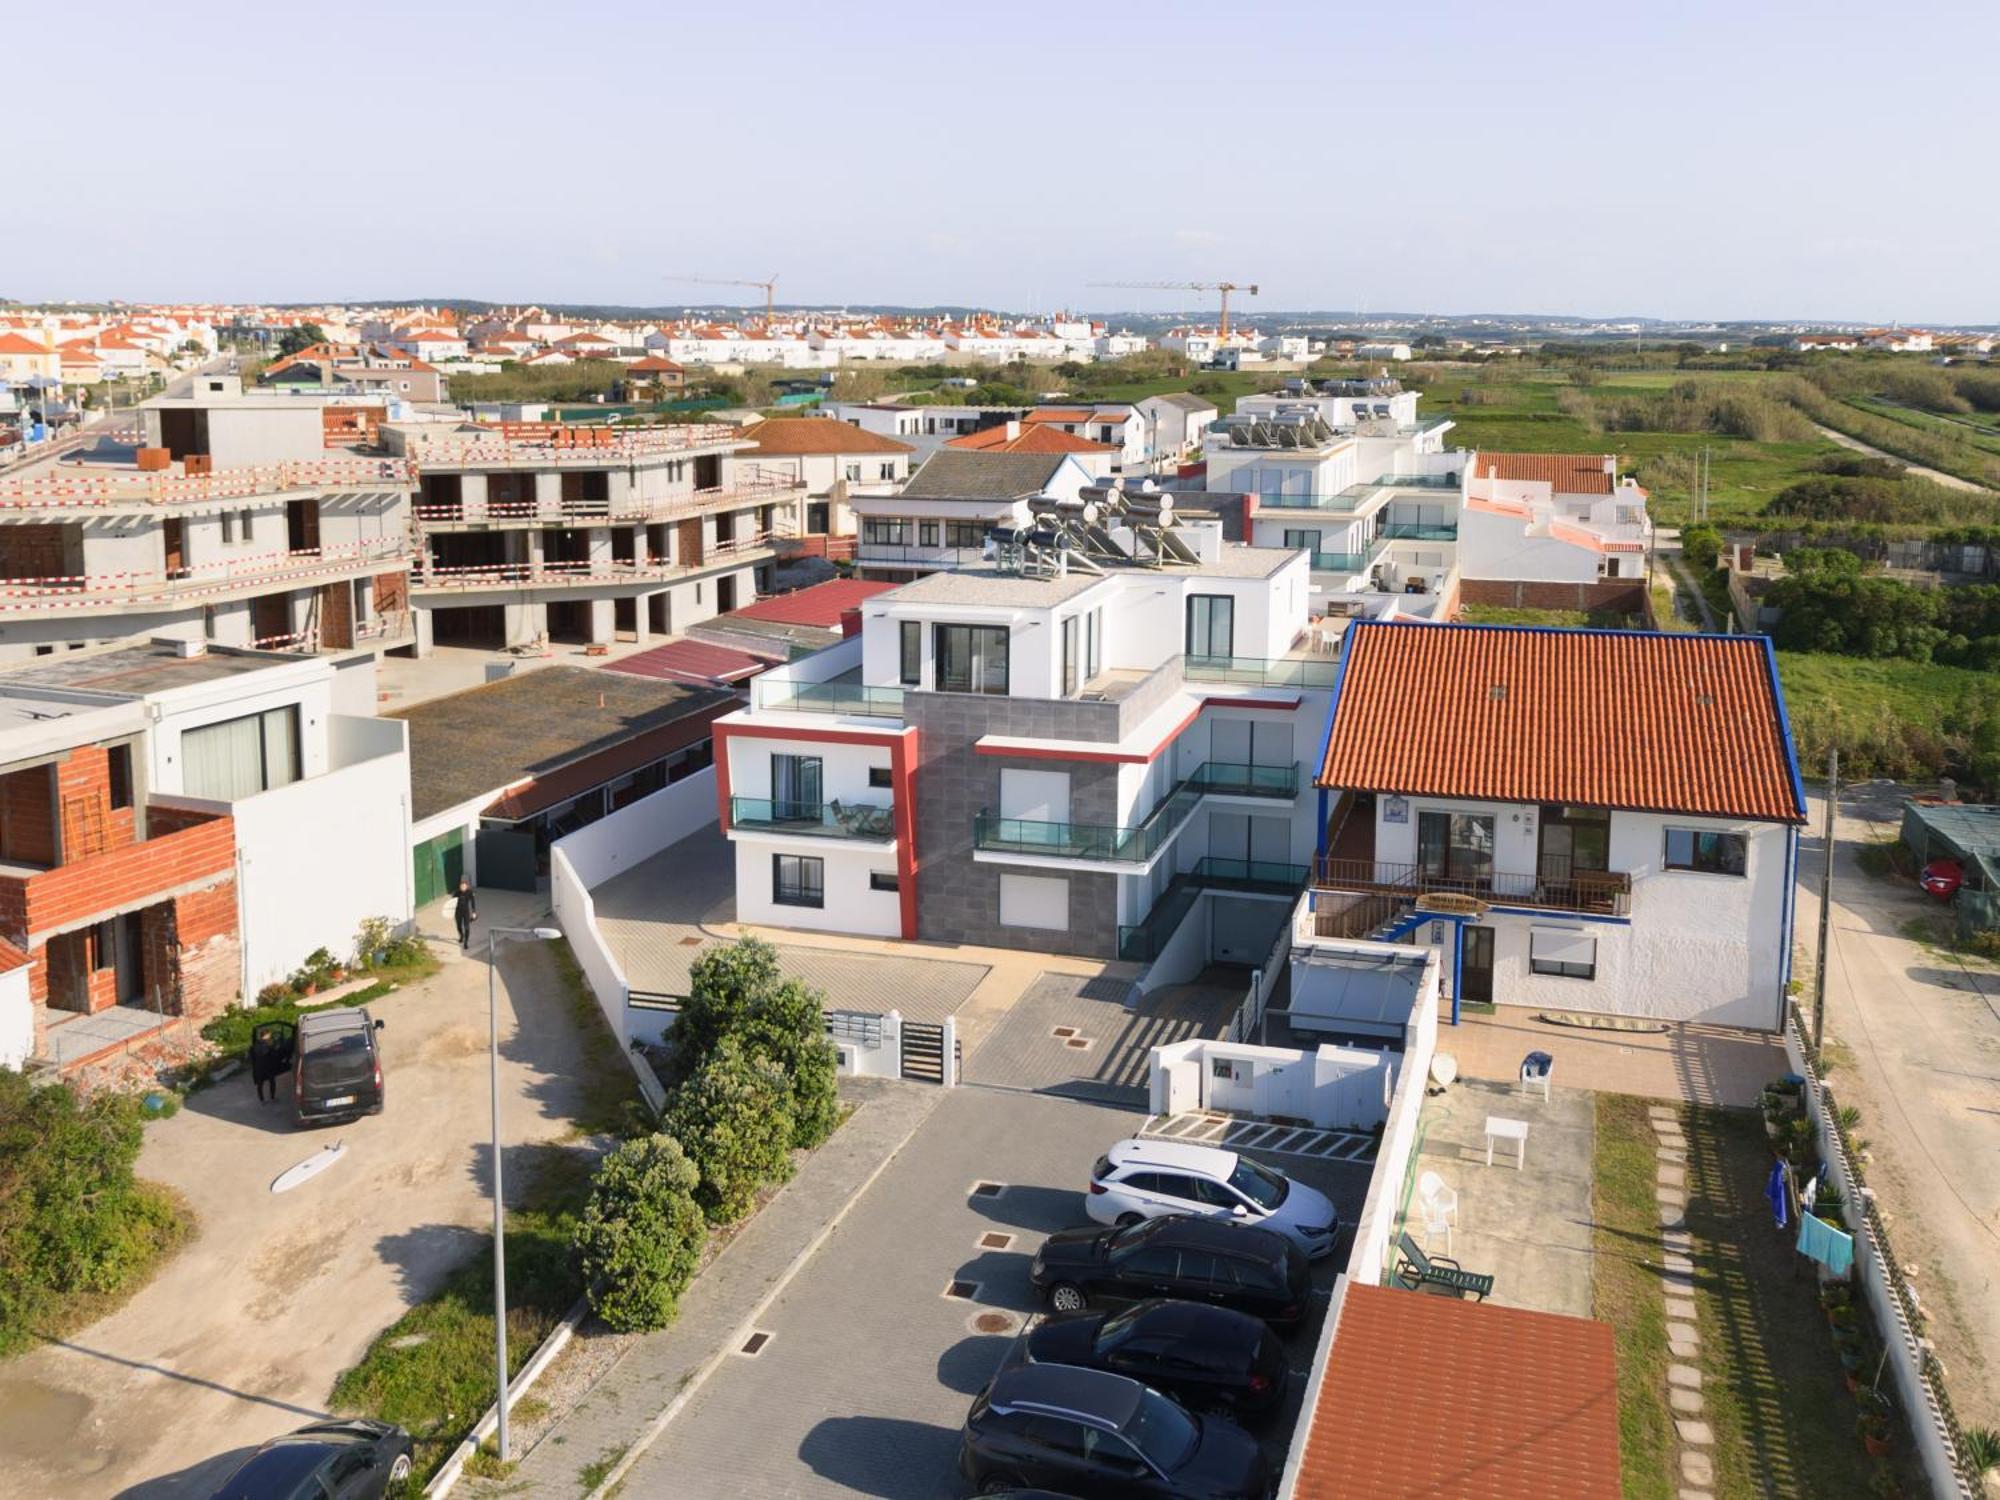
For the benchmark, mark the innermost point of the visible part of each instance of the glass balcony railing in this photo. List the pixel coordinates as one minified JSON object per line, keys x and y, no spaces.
{"x":833,"y":820}
{"x":1446,"y":532}
{"x":852,"y":699}
{"x":1273,"y":876}
{"x":1141,"y":942}
{"x":1257,"y":671}
{"x":1228,"y":779}
{"x":1114,"y":842}
{"x":1339,"y":562}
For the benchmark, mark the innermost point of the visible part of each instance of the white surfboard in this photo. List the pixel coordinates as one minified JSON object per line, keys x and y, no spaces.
{"x":310,"y":1168}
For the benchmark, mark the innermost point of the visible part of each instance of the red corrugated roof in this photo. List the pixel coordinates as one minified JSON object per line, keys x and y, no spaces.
{"x":1432,"y":1397}
{"x":692,"y":661}
{"x":1599,"y":718}
{"x":823,"y":604}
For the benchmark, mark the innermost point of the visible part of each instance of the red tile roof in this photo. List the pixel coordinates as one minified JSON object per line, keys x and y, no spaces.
{"x":810,"y":435}
{"x":1599,"y":718}
{"x":823,"y":604}
{"x":1563,"y":473}
{"x":579,"y":776}
{"x":14,"y":343}
{"x":1488,"y":1403}
{"x":1040,"y":438}
{"x":693,"y":661}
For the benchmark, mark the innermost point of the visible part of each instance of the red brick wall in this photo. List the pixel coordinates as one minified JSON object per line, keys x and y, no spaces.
{"x":1624,"y":594}
{"x":336,"y":614}
{"x":32,"y":552}
{"x":75,"y":892}
{"x":209,"y":957}
{"x":27,"y":817}
{"x":392,"y":592}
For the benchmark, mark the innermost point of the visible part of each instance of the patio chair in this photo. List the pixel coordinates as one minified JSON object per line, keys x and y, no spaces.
{"x":1537,"y":1071}
{"x":1437,"y":1274}
{"x":1440,"y":1206}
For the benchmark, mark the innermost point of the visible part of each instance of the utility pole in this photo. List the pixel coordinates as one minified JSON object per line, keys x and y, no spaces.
{"x":1825,"y":900}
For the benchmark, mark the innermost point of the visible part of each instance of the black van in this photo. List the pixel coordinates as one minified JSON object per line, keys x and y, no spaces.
{"x":335,"y":1062}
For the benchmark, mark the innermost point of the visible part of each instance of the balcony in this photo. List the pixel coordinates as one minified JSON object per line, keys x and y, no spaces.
{"x":1256,"y":671}
{"x":1228,"y":779}
{"x":95,"y":487}
{"x":542,"y":445}
{"x":755,"y":488}
{"x":832,"y":820}
{"x":586,"y":572}
{"x":772,"y":693}
{"x":1142,"y":941}
{"x":200,"y":582}
{"x":1588,"y":893}
{"x":1109,"y":842}
{"x":1339,"y":562}
{"x":1447,"y":532}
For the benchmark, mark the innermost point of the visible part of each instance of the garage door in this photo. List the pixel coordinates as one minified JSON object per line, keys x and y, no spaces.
{"x":1243,"y":931}
{"x":439,"y":863}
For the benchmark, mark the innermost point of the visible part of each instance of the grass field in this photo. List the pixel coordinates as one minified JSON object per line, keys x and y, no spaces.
{"x":1889,"y":717}
{"x":1976,"y":428}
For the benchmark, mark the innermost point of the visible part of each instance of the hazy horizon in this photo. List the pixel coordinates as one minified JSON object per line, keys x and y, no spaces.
{"x":1712,"y":163}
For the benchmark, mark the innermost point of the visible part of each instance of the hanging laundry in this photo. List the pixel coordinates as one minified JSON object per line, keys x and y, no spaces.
{"x":1776,"y":1191}
{"x":1832,"y":1248}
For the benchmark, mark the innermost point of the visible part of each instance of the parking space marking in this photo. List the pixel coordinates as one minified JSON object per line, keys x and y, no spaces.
{"x":1202,"y":1127}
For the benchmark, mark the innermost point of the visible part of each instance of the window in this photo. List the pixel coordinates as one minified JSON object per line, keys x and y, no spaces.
{"x":886,"y":471}
{"x":1568,"y":952}
{"x":971,"y":659}
{"x":911,"y":673}
{"x":120,"y":757}
{"x":1072,"y":630}
{"x":1211,"y":625}
{"x":241,"y":757}
{"x":1303,"y":541}
{"x":795,"y":787}
{"x":853,"y":472}
{"x":1706,"y":851}
{"x":228,"y":527}
{"x":927,"y":533}
{"x":798,"y":880}
{"x":1093,"y":643}
{"x":964,"y":534}
{"x":881,"y":776}
{"x":243,"y":520}
{"x":882,"y":880}
{"x":1575,"y":840}
{"x":1154,"y":1260}
{"x":1455,"y":848}
{"x":885,"y":531}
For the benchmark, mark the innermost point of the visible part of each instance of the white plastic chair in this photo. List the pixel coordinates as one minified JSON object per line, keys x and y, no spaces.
{"x":1440,"y":1207}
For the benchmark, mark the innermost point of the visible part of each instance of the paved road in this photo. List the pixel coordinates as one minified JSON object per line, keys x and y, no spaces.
{"x":242,"y":1335}
{"x":1936,"y":476}
{"x":1924,"y":1028}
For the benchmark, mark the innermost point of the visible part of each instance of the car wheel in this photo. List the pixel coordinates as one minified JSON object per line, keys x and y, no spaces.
{"x":998,"y":1486}
{"x":400,"y":1469}
{"x":1066,"y":1298}
{"x":1126,"y":1221}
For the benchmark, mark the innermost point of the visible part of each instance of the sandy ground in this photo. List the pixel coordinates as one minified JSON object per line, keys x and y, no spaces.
{"x":242,"y":1335}
{"x":1923,"y":1028}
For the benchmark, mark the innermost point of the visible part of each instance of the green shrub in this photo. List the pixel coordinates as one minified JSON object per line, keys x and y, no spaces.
{"x":641,"y":1235}
{"x":1702,"y":546}
{"x":723,"y":985}
{"x":74,"y":1221}
{"x":787,"y":1028}
{"x":734,"y":1119}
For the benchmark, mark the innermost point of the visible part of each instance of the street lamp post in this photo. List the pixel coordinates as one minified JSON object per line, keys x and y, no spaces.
{"x":493,"y":936}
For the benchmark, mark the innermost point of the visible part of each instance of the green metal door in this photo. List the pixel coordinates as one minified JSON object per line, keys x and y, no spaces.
{"x":439,"y":863}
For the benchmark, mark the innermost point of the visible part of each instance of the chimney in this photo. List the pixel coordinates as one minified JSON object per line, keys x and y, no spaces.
{"x":1013,"y":428}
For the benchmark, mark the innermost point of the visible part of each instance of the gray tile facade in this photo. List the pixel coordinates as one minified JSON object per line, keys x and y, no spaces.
{"x":958,"y":900}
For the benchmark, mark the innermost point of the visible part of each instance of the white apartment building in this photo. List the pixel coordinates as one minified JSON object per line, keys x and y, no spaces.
{"x":1600,"y":821}
{"x":1175,"y":425}
{"x":941,"y":517}
{"x":1095,"y":750}
{"x":1559,"y":530}
{"x":833,"y":461}
{"x":245,"y":519}
{"x":539,"y":532}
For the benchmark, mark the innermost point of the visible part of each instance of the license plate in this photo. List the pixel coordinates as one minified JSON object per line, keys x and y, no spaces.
{"x":343,"y":1099}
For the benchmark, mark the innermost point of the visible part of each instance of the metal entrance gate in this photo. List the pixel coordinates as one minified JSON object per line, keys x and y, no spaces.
{"x":923,"y":1051}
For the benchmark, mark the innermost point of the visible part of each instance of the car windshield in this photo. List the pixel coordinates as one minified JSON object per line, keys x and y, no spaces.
{"x":1260,"y":1185}
{"x":1111,"y":1332}
{"x":1162,"y":1431}
{"x":1139,"y":1233}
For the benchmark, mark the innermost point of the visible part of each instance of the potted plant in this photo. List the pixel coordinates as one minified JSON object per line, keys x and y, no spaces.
{"x":1873,"y":1423}
{"x":1840,"y":1316}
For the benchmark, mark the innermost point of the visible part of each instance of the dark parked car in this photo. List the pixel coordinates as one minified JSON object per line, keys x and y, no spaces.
{"x":1213,"y":1261}
{"x":352,"y":1459}
{"x":1207,"y":1358}
{"x":1087,"y":1432}
{"x":336,"y":1065}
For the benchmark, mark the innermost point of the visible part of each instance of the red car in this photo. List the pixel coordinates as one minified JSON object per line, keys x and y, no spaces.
{"x":1942,"y":878}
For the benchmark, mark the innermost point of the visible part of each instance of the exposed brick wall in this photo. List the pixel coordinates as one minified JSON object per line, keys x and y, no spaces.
{"x":27,"y":817}
{"x":336,"y":614}
{"x":90,"y":825}
{"x":210,"y":952}
{"x":32,"y":552}
{"x":1626,"y":595}
{"x":392,"y":592}
{"x":76,"y":892}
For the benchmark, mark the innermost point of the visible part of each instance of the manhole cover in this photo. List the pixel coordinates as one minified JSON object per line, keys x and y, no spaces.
{"x":993,"y":1322}
{"x":963,"y":1291}
{"x":995,"y":1241}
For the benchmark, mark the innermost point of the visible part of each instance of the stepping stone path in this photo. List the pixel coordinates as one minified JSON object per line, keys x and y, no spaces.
{"x":1697,"y":1466}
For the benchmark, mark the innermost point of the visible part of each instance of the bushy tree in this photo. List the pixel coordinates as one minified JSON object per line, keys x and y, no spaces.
{"x":641,"y":1234}
{"x":734,"y":1119}
{"x":1702,"y":546}
{"x":787,"y":1028}
{"x":723,"y":985}
{"x":292,"y":340}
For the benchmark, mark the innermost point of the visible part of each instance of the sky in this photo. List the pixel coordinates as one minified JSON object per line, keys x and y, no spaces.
{"x":1752,"y":160}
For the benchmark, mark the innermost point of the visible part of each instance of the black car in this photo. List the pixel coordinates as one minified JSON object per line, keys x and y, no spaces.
{"x":335,"y":1062}
{"x":350,"y":1459}
{"x":1207,"y":1358}
{"x":1213,"y":1261}
{"x":1087,"y":1432}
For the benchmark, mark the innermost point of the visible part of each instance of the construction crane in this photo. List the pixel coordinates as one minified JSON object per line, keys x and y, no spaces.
{"x":769,"y":287}
{"x":1224,"y":287}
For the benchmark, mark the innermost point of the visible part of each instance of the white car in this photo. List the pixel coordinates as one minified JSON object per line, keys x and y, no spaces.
{"x":1140,"y":1179}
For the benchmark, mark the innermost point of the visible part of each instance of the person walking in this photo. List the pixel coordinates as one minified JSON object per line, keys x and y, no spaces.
{"x":468,"y":910}
{"x":263,"y":1063}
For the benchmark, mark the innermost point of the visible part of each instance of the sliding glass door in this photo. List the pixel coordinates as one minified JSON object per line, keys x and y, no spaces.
{"x":795,"y":787}
{"x":972,"y":659}
{"x":1211,"y":625}
{"x":1455,"y":849}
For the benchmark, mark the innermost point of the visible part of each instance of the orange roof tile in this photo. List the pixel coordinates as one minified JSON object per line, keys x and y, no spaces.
{"x":803,"y":435}
{"x":1058,"y":414}
{"x":1040,"y":438}
{"x":1564,"y":473}
{"x":14,"y":343}
{"x":1598,"y":718}
{"x":1496,"y":1403}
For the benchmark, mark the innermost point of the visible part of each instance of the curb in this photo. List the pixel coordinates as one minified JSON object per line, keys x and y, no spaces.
{"x":454,"y":1467}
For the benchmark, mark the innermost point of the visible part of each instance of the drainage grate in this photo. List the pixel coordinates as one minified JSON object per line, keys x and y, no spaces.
{"x":1064,"y":1031}
{"x":988,"y":1189}
{"x":963,"y":1291}
{"x":994,"y":1240}
{"x":1081,"y":1043}
{"x":754,"y":1345}
{"x":691,"y":942}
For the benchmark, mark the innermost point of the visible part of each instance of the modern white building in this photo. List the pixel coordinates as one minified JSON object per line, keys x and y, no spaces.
{"x":1175,"y":424}
{"x":1097,"y":749}
{"x":941,"y":517}
{"x":1553,"y":530}
{"x":832,"y":461}
{"x":1595,"y":821}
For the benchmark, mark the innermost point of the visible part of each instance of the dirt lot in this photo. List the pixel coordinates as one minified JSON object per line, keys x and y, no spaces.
{"x":242,"y":1335}
{"x":1919,"y":1029}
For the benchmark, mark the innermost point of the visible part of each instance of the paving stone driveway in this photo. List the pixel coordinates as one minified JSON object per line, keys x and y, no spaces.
{"x":864,"y":1383}
{"x":1073,"y":1035}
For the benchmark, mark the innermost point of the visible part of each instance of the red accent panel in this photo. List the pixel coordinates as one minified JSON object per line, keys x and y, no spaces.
{"x":719,"y":740}
{"x":902,"y":774}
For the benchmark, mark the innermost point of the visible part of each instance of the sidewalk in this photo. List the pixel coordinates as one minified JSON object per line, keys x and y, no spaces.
{"x":623,"y":1411}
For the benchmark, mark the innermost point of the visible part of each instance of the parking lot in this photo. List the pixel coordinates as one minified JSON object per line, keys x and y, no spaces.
{"x":873,"y":1355}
